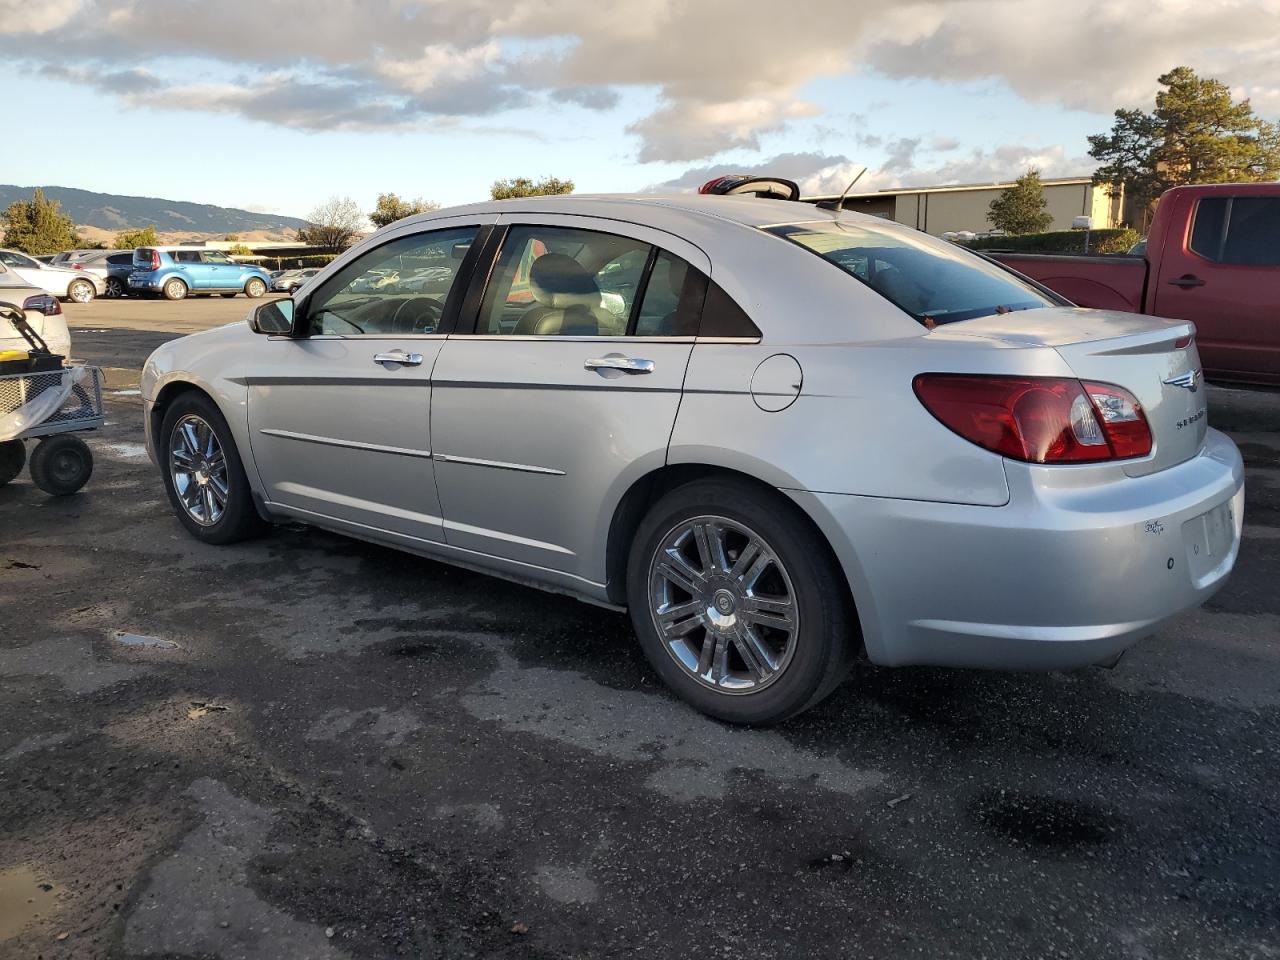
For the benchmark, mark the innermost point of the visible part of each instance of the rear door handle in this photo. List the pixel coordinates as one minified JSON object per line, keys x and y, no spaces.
{"x":1188,"y":280}
{"x":398,"y":357}
{"x":625,"y":364}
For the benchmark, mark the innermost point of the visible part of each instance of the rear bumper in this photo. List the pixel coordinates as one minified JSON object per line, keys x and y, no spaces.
{"x":1076,"y":568}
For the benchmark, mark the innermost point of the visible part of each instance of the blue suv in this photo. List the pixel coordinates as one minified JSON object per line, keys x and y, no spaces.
{"x":179,"y":271}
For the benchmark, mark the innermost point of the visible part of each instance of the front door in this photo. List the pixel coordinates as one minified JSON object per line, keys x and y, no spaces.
{"x":566,"y":389}
{"x":340,"y":419}
{"x":1224,"y":276}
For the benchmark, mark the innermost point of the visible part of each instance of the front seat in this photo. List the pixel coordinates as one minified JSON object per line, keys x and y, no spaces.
{"x":568,"y":301}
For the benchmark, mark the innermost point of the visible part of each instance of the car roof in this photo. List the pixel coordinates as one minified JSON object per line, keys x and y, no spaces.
{"x":658,"y":209}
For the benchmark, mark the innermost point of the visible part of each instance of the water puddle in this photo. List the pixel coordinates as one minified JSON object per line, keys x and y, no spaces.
{"x":141,"y":640}
{"x":1044,"y":821}
{"x":23,"y":897}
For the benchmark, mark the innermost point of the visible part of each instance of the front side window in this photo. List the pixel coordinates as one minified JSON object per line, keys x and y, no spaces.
{"x":932,"y":280}
{"x":1237,"y":230}
{"x":216,"y":256}
{"x":398,"y":289}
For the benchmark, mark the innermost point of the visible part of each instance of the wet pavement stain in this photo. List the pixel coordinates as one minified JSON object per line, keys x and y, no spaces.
{"x":24,"y":897}
{"x":1043,"y":821}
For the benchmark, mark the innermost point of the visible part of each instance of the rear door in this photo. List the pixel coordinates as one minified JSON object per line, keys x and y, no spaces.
{"x":1223,"y":274}
{"x":566,"y":388}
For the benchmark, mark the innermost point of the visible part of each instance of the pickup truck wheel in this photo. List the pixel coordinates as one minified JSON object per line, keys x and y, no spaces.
{"x":175,"y":289}
{"x":738,"y":602}
{"x":255,"y":288}
{"x":13,"y":456}
{"x":80,"y":291}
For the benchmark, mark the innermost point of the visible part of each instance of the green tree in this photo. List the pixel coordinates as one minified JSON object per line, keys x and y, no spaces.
{"x":240,"y":250}
{"x":524,"y":187}
{"x":232,"y":237}
{"x":1021,"y":208}
{"x":1196,"y":134}
{"x":38,"y":226}
{"x":333,"y":225}
{"x":146,"y":237}
{"x":391,"y":208}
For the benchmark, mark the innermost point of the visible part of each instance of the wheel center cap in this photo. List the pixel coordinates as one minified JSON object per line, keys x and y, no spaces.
{"x":724,"y":601}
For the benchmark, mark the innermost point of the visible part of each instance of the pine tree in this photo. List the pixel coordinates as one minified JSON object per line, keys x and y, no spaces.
{"x":1021,"y":208}
{"x":38,"y":226}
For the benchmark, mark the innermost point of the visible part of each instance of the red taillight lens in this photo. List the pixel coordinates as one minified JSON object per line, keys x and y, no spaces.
{"x":155,"y":259}
{"x":1183,"y":342}
{"x":1038,"y":419}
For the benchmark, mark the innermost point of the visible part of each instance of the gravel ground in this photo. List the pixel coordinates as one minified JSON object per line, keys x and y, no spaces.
{"x":337,"y":750}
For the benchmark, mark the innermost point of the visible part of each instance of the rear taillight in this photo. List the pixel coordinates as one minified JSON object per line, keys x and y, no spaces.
{"x":1183,"y":342}
{"x":155,"y":259}
{"x":43,"y":303}
{"x":1038,"y":419}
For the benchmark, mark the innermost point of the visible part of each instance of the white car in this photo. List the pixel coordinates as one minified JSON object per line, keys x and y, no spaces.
{"x":42,"y":311}
{"x":77,"y":285}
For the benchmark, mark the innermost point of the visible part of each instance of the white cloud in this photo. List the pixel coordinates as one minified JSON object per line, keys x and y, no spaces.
{"x":724,"y":72}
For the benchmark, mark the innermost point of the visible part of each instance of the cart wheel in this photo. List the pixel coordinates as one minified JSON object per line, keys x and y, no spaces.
{"x":61,"y":464}
{"x":13,"y":454}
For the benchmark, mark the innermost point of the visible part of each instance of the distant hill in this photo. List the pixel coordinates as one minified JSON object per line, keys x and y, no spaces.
{"x":110,"y":212}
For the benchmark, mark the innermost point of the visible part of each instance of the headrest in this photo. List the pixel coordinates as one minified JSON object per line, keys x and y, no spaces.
{"x":559,"y":281}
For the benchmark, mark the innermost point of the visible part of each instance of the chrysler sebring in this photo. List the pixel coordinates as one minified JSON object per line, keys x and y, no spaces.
{"x":782,"y":437}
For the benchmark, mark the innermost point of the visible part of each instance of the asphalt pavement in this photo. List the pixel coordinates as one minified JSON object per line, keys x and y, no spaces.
{"x":309,"y":747}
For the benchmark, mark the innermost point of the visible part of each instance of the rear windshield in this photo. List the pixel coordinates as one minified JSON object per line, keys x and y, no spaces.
{"x":932,"y":280}
{"x":142,"y":256}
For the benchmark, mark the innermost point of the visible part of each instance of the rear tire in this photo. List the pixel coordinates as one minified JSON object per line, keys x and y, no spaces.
{"x":795,"y":619}
{"x":61,"y":464}
{"x":175,"y":289}
{"x":238,"y":519}
{"x":254,"y":289}
{"x":13,"y":457}
{"x":115,"y":289}
{"x":80,"y":291}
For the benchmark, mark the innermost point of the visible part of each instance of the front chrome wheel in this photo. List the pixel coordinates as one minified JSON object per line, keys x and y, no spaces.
{"x":81,"y":291}
{"x":198,"y":468}
{"x":723,"y":604}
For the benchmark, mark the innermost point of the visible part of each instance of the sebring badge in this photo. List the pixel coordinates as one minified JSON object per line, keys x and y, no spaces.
{"x":1188,"y":381}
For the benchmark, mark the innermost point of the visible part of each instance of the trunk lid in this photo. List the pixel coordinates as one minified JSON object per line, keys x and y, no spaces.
{"x":1136,"y":352}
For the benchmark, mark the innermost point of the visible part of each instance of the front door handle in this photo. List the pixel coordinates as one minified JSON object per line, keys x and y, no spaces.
{"x":624,"y":364}
{"x":398,"y":357}
{"x":1187,"y":280}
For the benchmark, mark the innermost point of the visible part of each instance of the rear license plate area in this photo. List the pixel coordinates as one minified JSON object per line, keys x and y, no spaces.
{"x":1209,"y":539}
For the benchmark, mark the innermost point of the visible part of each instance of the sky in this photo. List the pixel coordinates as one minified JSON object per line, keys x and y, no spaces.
{"x":277,"y":105}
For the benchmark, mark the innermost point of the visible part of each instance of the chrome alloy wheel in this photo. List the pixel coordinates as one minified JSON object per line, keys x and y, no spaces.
{"x":81,"y":291}
{"x":198,"y":467}
{"x":723,"y":604}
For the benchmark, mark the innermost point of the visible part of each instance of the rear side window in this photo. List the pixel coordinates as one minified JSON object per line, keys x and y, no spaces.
{"x":932,"y":280}
{"x":185,"y":256}
{"x":1237,"y":230}
{"x":120,"y":259}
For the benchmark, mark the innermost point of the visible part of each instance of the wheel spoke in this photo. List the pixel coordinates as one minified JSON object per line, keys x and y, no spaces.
{"x":756,"y":570}
{"x":206,"y":500}
{"x":676,"y":569}
{"x":755,"y":654}
{"x":220,"y":490}
{"x":719,"y":660}
{"x":188,"y":434}
{"x":777,"y":612}
{"x":706,"y":655}
{"x":681,"y":619}
{"x":710,"y":542}
{"x":745,"y":559}
{"x":183,"y":457}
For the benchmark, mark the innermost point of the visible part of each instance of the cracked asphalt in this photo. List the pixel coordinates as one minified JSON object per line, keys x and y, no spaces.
{"x":349,"y":752}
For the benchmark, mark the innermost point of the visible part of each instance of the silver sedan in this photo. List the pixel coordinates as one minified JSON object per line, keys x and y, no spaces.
{"x":781,"y":437}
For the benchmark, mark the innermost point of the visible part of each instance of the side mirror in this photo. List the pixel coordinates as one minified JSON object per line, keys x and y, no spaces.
{"x":273,"y":319}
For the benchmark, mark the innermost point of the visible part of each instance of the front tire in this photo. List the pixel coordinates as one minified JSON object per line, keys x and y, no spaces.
{"x":175,"y":289}
{"x":61,"y":464}
{"x":80,"y":291}
{"x":254,"y":289}
{"x":738,"y":602}
{"x":203,"y":474}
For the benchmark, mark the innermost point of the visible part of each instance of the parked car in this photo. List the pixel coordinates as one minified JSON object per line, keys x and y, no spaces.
{"x":114,"y":266}
{"x":177,"y":272}
{"x":62,"y":282}
{"x":1212,"y":257}
{"x":286,"y":281}
{"x":878,"y":445}
{"x":42,"y":310}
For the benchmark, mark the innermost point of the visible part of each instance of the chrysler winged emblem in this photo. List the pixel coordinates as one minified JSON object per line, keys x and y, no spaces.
{"x":1188,"y":381}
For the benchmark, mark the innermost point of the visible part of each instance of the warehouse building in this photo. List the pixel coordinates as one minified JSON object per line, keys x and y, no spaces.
{"x":939,"y":210}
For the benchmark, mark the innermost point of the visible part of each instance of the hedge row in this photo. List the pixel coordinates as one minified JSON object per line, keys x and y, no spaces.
{"x":1061,"y":241}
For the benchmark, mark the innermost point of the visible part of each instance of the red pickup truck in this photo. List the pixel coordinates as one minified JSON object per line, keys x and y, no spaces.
{"x":1212,"y":257}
